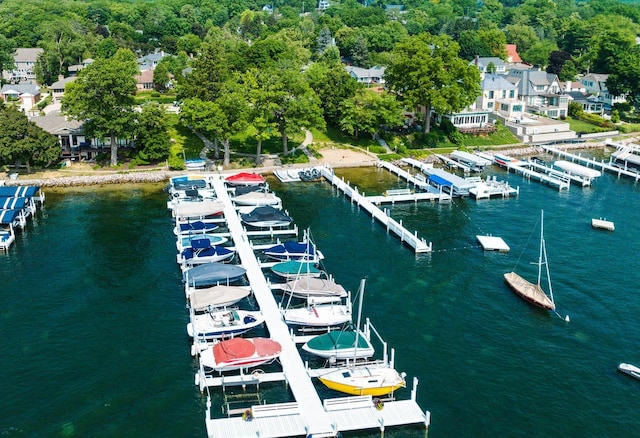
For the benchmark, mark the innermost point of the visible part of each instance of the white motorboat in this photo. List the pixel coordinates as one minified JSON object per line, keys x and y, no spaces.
{"x":318,"y":315}
{"x":257,"y":198}
{"x":311,"y":287}
{"x":223,"y":323}
{"x":629,"y":369}
{"x":239,"y":353}
{"x":204,"y":299}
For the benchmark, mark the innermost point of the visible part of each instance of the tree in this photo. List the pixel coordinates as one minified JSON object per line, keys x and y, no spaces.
{"x":102,"y":96}
{"x":297,"y":105}
{"x":360,"y":52}
{"x":538,"y":54}
{"x":152,"y":139}
{"x":161,"y":76}
{"x":624,"y":82}
{"x":333,"y":85}
{"x":426,"y":70}
{"x":557,"y":59}
{"x":22,"y":141}
{"x":368,"y":110}
{"x":260,"y":92}
{"x":6,"y":53}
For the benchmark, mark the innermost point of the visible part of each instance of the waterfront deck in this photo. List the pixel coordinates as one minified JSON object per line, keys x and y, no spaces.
{"x":412,"y":239}
{"x":308,"y":415}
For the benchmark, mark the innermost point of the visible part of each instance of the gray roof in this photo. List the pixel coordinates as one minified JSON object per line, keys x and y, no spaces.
{"x":63,"y":82}
{"x":20,"y":89}
{"x":373,"y":72}
{"x":496,"y":82}
{"x":27,"y":54}
{"x":525,"y":80}
{"x":484,"y":62}
{"x":57,"y":124}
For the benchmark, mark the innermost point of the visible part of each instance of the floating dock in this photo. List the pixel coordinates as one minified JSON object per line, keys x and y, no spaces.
{"x":524,"y":168}
{"x":475,"y":162}
{"x":492,"y":243}
{"x":308,"y":415}
{"x":603,"y":224}
{"x":492,"y":188}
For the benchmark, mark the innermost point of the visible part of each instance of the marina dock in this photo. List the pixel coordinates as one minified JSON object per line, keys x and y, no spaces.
{"x":526,"y":169}
{"x":590,"y":162}
{"x":308,"y":415}
{"x":411,"y":239}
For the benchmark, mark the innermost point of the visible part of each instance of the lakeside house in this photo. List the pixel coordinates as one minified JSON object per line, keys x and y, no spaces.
{"x":27,"y":94}
{"x":24,"y":60}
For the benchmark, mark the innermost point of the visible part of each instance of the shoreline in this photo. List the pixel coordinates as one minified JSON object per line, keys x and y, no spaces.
{"x":335,"y":158}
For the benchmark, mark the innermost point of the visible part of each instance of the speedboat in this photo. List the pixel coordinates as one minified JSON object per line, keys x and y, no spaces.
{"x":210,"y":274}
{"x":201,"y":251}
{"x":245,"y":179}
{"x":340,"y":344}
{"x":266,"y":217}
{"x":294,"y":251}
{"x":223,"y":323}
{"x":310,"y":287}
{"x":318,"y":315}
{"x":204,"y":299}
{"x":629,"y":369}
{"x":257,"y":198}
{"x":296,"y":268}
{"x":186,"y":241}
{"x":198,"y":208}
{"x":195,"y":227}
{"x":239,"y":353}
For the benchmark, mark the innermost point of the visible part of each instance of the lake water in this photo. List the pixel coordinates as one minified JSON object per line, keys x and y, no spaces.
{"x":92,"y":310}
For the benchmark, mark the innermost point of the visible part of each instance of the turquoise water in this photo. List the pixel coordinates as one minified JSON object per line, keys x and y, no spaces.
{"x":93,"y":321}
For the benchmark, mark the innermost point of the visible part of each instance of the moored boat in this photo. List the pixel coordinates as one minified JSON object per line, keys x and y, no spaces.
{"x":215,"y":296}
{"x":186,"y":209}
{"x":296,"y":268}
{"x":373,"y":379}
{"x":340,"y":344}
{"x":266,"y":217}
{"x":186,"y":241}
{"x":294,"y":251}
{"x":245,"y":179}
{"x":318,"y":315}
{"x":201,"y":251}
{"x":629,"y":369}
{"x":310,"y":287}
{"x":257,"y":198}
{"x":223,"y":323}
{"x":195,"y":227}
{"x":210,"y":274}
{"x":239,"y":353}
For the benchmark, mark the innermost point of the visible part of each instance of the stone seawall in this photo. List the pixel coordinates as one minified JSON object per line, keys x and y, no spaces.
{"x":88,"y":180}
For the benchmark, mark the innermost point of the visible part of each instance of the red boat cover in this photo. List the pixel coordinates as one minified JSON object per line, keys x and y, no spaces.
{"x":245,"y":178}
{"x":233,"y":349}
{"x":266,"y":347}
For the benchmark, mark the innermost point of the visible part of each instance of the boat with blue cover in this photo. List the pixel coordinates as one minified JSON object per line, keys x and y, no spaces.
{"x":201,"y":251}
{"x":195,"y":227}
{"x":294,"y":251}
{"x":186,"y":241}
{"x":211,"y":274}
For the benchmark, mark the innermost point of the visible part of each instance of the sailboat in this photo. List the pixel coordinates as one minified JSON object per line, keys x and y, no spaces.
{"x":534,"y":293}
{"x":371,"y":378}
{"x":342,"y":344}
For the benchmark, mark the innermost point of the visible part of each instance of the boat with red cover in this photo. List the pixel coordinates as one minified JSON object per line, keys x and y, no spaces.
{"x":239,"y":353}
{"x":245,"y":179}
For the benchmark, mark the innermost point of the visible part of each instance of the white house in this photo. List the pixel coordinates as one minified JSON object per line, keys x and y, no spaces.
{"x":541,"y":92}
{"x":373,"y":75}
{"x":24,"y":60}
{"x":596,"y":84}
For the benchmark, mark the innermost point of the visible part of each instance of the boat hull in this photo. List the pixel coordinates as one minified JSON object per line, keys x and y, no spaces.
{"x":223,"y":324}
{"x":340,"y":345}
{"x":216,"y":296}
{"x":373,"y":381}
{"x":324,"y":315}
{"x":630,"y":370}
{"x":530,"y":292}
{"x":239,"y":353}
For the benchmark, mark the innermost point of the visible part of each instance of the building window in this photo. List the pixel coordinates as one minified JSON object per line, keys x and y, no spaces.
{"x":512,"y":94}
{"x":489,"y":104}
{"x":504,"y":93}
{"x":517,"y":108}
{"x":490,"y":94}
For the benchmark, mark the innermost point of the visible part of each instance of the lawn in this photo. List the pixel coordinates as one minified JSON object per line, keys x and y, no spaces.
{"x":582,"y":126}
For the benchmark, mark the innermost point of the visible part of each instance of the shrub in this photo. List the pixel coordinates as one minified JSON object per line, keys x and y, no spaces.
{"x":176,"y":163}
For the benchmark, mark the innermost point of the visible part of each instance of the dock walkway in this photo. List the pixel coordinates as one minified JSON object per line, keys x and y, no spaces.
{"x":590,"y":162}
{"x":412,"y":239}
{"x":308,"y":415}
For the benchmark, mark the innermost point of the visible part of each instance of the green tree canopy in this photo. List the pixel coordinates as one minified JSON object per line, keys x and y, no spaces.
{"x":368,"y":110}
{"x":22,"y":141}
{"x":426,"y":71}
{"x":152,"y":139}
{"x":102,"y":96}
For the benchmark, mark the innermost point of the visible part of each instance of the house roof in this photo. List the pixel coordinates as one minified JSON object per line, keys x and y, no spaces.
{"x":56,"y":124}
{"x":20,"y":89}
{"x":525,"y":80}
{"x":62,"y":83}
{"x":359,"y":72}
{"x":579,"y":96}
{"x":145,"y":77}
{"x":596,"y":77}
{"x":484,"y":62}
{"x":27,"y":54}
{"x":496,"y":82}
{"x":512,"y":53}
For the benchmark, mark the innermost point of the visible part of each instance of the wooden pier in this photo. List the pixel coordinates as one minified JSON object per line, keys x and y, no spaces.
{"x":308,"y":415}
{"x":411,"y":239}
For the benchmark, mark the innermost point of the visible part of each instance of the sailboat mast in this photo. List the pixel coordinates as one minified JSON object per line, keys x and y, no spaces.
{"x":361,"y":293}
{"x":541,"y":245}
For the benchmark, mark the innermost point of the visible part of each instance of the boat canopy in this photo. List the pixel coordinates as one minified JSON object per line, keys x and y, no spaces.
{"x":440,"y":181}
{"x":8,"y":216}
{"x":215,"y":296}
{"x":19,"y":191}
{"x":12,"y":203}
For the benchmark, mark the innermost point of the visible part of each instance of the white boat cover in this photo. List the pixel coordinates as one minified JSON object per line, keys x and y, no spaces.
{"x":216,"y":296}
{"x":312,"y":286}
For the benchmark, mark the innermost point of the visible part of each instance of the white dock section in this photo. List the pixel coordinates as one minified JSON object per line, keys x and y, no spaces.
{"x":590,"y":162}
{"x":493,"y":243}
{"x":312,"y":416}
{"x":492,"y":188}
{"x":418,"y":244}
{"x":523,"y":168}
{"x":475,"y":162}
{"x":550,"y":171}
{"x":454,"y":164}
{"x":603,"y":224}
{"x":420,"y":183}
